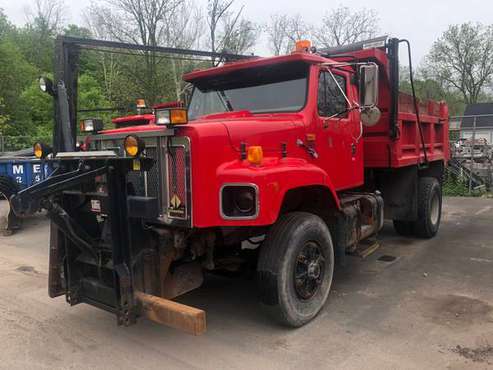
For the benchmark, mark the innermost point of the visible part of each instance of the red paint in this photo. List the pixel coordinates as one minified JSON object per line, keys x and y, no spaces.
{"x":216,"y":140}
{"x":137,"y":117}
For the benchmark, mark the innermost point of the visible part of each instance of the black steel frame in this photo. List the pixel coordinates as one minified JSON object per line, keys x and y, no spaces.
{"x":68,"y":235}
{"x":67,"y":53}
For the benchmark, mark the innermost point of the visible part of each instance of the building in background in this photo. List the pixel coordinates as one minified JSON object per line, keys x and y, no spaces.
{"x":484,"y":122}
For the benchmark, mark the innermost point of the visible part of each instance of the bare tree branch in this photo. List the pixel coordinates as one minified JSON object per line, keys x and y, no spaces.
{"x":283,"y":31}
{"x":341,"y":26}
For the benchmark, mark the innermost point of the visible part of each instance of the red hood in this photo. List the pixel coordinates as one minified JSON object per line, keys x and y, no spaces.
{"x":266,"y":130}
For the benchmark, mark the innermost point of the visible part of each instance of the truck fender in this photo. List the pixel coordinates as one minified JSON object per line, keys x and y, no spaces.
{"x":275,"y":180}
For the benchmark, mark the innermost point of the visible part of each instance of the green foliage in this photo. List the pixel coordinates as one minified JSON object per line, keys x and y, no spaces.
{"x":455,"y":187}
{"x":428,"y":88}
{"x":17,"y":74}
{"x":39,"y":107}
{"x":91,"y":96}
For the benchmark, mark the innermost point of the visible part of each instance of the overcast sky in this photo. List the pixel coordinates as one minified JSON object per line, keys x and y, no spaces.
{"x":420,"y":21}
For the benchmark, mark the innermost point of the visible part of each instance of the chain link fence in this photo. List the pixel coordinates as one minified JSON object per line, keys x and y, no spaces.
{"x":470,"y":170}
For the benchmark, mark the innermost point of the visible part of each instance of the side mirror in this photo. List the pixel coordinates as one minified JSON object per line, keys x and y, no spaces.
{"x":368,"y":85}
{"x":46,"y":86}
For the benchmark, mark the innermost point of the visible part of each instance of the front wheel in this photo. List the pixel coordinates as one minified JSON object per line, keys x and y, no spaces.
{"x":295,"y":268}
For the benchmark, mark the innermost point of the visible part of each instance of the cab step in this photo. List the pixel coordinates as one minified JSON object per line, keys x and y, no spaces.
{"x":366,"y":248}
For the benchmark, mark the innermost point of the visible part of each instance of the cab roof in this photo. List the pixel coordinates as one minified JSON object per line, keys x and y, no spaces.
{"x":255,"y":62}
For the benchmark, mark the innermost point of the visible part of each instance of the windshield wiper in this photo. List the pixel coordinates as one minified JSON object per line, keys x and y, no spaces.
{"x":225,"y":100}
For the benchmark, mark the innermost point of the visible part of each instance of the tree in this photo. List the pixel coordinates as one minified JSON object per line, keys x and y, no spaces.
{"x":276,"y":31}
{"x":463,"y":59}
{"x":283,"y":31}
{"x":5,"y":26}
{"x":342,"y":26}
{"x":16,"y":74}
{"x":240,"y":36}
{"x":37,"y":37}
{"x":140,"y":22}
{"x":183,"y":30}
{"x":228,"y":31}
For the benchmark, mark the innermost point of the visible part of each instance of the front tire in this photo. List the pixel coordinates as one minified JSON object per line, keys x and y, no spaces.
{"x":295,"y":268}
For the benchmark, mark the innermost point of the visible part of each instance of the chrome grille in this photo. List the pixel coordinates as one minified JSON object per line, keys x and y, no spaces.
{"x":177,"y":186}
{"x":170,"y":175}
{"x":152,"y":176}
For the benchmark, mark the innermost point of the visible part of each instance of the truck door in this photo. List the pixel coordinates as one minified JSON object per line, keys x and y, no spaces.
{"x":339,"y":146}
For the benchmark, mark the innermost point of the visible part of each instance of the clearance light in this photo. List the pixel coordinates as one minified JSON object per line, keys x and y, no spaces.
{"x":302,"y":46}
{"x":41,"y":150}
{"x":133,"y":145}
{"x":140,"y":103}
{"x":174,"y":116}
{"x":91,"y":125}
{"x":255,"y":155}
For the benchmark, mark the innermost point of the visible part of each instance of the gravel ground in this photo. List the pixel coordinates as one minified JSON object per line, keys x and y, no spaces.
{"x":430,"y":307}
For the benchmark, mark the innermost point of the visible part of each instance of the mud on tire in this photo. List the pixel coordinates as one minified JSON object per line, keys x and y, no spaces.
{"x":295,"y":268}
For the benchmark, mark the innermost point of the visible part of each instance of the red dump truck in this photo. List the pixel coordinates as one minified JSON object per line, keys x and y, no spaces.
{"x":282,"y":165}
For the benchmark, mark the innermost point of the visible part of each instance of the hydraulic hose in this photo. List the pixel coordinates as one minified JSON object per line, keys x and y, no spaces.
{"x":415,"y":100}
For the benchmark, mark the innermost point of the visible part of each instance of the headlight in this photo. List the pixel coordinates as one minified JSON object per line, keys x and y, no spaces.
{"x":41,"y":150}
{"x":162,"y":117}
{"x":174,"y":116}
{"x":91,"y":125}
{"x":46,"y":86}
{"x":133,"y":145}
{"x":239,"y":201}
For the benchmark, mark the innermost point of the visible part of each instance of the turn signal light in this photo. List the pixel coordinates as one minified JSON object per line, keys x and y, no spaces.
{"x":255,"y":155}
{"x":133,"y":145}
{"x":174,"y":116}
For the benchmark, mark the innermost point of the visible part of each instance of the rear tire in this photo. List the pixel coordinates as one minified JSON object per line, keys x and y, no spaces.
{"x":429,"y":208}
{"x":295,"y":268}
{"x":404,"y":228}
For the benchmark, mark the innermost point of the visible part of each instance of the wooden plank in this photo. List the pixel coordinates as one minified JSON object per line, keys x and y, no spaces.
{"x":179,"y":316}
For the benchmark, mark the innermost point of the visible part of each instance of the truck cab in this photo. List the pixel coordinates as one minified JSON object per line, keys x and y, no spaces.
{"x":282,"y":165}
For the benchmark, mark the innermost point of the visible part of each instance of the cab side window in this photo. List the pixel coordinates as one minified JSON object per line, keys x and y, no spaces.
{"x":330,"y":98}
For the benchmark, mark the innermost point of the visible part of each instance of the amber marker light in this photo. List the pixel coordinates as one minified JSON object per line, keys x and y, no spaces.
{"x":302,"y":45}
{"x":178,"y":116}
{"x":255,"y":155}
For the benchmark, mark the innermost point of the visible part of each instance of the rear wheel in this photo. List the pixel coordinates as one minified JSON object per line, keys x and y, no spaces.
{"x":295,"y":268}
{"x":429,"y":207}
{"x":404,"y":228}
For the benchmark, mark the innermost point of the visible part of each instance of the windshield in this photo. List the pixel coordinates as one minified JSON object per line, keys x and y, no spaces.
{"x":274,"y":88}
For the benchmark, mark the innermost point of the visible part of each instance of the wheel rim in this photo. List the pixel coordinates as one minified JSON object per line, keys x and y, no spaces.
{"x":4,"y":210}
{"x":309,"y":271}
{"x":435,"y":209}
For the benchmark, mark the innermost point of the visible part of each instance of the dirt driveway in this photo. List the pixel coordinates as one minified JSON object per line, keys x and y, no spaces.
{"x":429,"y":307}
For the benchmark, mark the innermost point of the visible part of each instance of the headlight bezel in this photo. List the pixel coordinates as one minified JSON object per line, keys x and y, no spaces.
{"x":91,"y":125}
{"x":228,"y":201}
{"x":138,"y":144}
{"x":171,"y":116}
{"x":41,"y":150}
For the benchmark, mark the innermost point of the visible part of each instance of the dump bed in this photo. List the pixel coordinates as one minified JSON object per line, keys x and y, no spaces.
{"x":382,"y":150}
{"x":396,"y":140}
